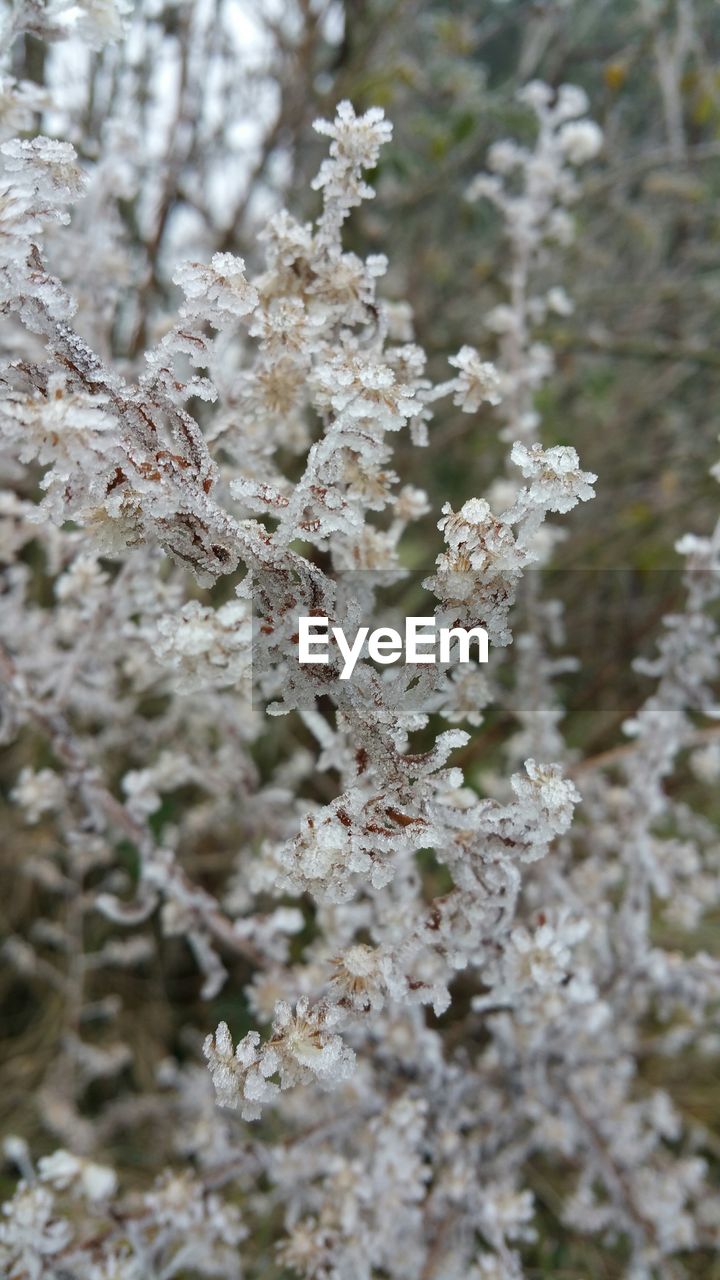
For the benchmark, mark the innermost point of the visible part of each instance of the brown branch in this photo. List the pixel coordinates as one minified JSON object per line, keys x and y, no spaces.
{"x":629,"y":349}
{"x":604,"y":759}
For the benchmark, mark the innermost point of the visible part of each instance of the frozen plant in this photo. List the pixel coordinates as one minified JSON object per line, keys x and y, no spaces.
{"x":424,"y":988}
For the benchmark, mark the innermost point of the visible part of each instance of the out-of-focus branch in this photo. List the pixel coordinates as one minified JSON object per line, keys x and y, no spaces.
{"x":94,"y":796}
{"x":571,"y":340}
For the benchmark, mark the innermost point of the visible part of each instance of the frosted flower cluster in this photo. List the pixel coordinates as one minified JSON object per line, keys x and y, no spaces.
{"x":478,"y":381}
{"x":205,"y":646}
{"x":423,"y":979}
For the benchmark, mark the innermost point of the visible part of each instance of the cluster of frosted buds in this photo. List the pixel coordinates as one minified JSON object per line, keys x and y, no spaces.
{"x":206,"y":646}
{"x":355,"y":146}
{"x":303,"y":1047}
{"x":564,"y":139}
{"x":219,"y":293}
{"x":477,"y":382}
{"x":532,"y":189}
{"x":478,"y":575}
